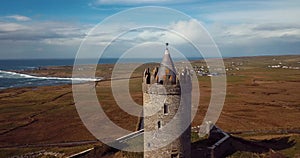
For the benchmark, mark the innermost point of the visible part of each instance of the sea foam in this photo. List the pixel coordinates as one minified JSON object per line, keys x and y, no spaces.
{"x":10,"y":74}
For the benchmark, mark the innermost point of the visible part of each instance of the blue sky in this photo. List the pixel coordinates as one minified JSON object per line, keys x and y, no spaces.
{"x":55,"y":28}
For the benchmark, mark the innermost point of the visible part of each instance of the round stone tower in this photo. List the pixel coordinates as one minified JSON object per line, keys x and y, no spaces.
{"x":167,"y":111}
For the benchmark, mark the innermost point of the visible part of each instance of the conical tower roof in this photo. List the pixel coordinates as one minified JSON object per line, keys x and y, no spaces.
{"x":167,"y":71}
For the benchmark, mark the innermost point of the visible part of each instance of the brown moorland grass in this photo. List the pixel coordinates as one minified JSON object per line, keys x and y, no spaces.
{"x":258,"y":98}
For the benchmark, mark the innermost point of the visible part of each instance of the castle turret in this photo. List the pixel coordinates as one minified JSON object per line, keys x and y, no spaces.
{"x":167,"y":110}
{"x":167,"y":73}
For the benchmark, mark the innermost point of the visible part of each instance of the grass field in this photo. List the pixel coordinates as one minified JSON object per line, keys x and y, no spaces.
{"x":258,"y":98}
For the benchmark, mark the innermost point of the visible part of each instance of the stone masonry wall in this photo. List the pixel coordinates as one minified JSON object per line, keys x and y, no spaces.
{"x":162,"y":102}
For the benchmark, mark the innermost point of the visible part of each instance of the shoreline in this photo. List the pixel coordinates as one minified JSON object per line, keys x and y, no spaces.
{"x":65,"y":71}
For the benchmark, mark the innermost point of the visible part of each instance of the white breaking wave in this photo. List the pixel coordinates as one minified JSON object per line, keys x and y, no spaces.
{"x":10,"y":74}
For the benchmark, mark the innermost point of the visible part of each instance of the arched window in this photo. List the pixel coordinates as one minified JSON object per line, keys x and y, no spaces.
{"x":166,"y":109}
{"x":158,"y":124}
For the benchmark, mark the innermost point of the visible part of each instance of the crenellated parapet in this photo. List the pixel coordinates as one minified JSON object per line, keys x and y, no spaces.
{"x":152,"y":85}
{"x":151,"y":77}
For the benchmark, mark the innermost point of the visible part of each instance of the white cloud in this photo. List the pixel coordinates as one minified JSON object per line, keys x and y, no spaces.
{"x":231,"y":29}
{"x":9,"y":27}
{"x":19,"y":17}
{"x":177,"y":33}
{"x":191,"y":30}
{"x":148,"y":35}
{"x":252,"y":16}
{"x":261,"y":24}
{"x":252,"y":33}
{"x":248,"y":38}
{"x":51,"y":33}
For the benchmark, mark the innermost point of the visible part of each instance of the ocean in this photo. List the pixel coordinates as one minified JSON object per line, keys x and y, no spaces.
{"x":11,"y":79}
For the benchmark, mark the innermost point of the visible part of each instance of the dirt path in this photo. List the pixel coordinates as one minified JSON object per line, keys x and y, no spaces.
{"x":63,"y":144}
